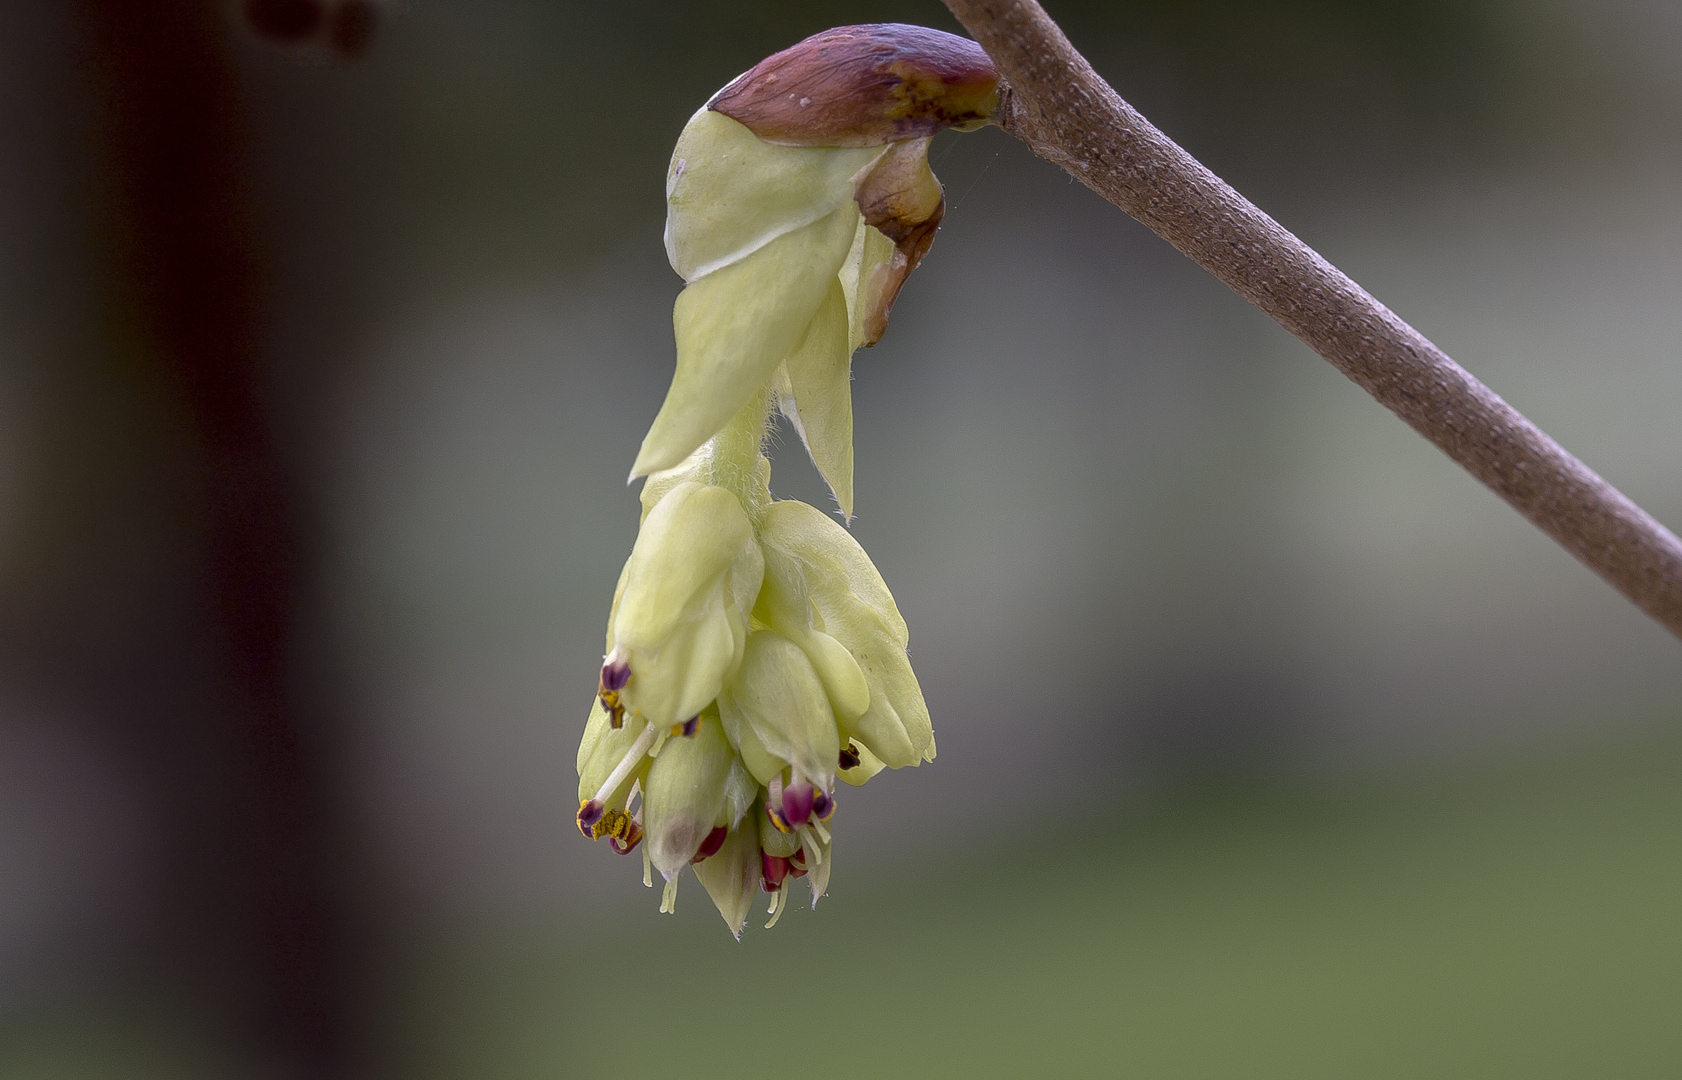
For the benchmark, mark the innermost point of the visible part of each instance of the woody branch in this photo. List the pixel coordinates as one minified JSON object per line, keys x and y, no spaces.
{"x":1056,"y":103}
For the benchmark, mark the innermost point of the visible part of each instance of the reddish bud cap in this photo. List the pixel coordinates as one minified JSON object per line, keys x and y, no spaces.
{"x":864,"y":86}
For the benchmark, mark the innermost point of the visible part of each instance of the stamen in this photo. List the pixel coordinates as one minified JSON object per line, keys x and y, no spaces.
{"x":590,"y":813}
{"x":626,"y":764}
{"x":668,"y":899}
{"x":647,"y":870}
{"x":772,"y":910}
{"x":615,"y":674}
{"x":626,"y":832}
{"x":822,"y":806}
{"x":709,"y":847}
{"x":818,"y":827}
{"x":849,"y":756}
{"x":659,"y":741}
{"x":810,"y":844}
{"x":690,"y":727}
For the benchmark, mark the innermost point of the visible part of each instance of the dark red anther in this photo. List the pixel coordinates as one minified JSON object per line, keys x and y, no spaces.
{"x":629,"y":844}
{"x":691,"y":726}
{"x":849,"y":756}
{"x":616,"y":675}
{"x":822,"y":806}
{"x":797,"y":804}
{"x":773,"y":871}
{"x":709,"y":847}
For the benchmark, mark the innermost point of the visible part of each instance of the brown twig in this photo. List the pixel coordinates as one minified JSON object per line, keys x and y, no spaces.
{"x":1070,"y":116}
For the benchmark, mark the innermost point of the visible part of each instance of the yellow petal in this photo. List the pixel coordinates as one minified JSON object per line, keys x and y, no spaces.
{"x":777,"y":697}
{"x":784,"y":606}
{"x":681,"y":621}
{"x":731,"y":877}
{"x":869,"y":765}
{"x":735,"y":325}
{"x":728,"y":193}
{"x":598,"y":724}
{"x":852,"y":604}
{"x":684,"y":795}
{"x":820,"y":383}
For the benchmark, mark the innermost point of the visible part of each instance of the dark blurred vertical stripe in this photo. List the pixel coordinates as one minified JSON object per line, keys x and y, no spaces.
{"x":254,"y":908}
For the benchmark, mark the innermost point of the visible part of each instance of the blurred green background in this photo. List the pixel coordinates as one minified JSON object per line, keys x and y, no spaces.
{"x":1270,"y":743}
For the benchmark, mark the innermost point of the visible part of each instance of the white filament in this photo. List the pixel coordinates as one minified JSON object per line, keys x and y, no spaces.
{"x":627,"y":763}
{"x":810,"y":843}
{"x":780,"y":903}
{"x":668,"y":899}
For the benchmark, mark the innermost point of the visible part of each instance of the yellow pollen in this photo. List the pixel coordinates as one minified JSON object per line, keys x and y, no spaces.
{"x":614,"y":823}
{"x":615,"y":708}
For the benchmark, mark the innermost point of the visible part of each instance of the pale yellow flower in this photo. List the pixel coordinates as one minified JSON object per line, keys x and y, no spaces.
{"x":754,"y":654}
{"x":679,"y":623}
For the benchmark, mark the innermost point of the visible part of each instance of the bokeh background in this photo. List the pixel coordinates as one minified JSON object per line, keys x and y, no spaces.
{"x":1271,"y":745}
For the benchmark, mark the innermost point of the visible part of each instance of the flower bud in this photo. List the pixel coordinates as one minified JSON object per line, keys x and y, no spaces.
{"x":851,"y":604}
{"x":692,"y":787}
{"x":776,"y":699}
{"x":731,"y":877}
{"x":864,"y":86}
{"x":680,"y":622}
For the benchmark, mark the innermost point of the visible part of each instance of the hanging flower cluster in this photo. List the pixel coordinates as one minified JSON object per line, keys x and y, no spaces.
{"x":754,"y":654}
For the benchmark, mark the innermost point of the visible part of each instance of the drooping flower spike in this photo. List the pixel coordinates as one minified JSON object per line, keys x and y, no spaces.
{"x":754,"y":655}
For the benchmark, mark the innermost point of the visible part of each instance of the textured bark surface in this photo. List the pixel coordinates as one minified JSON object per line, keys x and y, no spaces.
{"x":1068,"y":115}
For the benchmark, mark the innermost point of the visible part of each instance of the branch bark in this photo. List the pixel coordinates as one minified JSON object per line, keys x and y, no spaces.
{"x":1056,"y":103}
